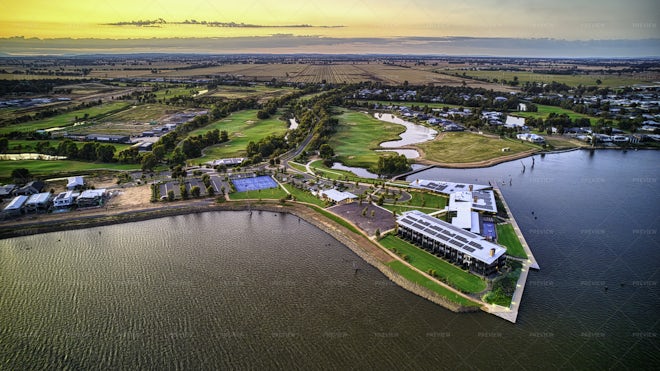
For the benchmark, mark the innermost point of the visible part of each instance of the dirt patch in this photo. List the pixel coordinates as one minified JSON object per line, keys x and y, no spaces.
{"x":130,"y":198}
{"x":381,"y":219}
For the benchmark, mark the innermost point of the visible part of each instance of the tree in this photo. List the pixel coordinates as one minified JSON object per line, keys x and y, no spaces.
{"x":4,"y":145}
{"x":326,"y":152}
{"x":170,"y":195}
{"x":21,"y":175}
{"x":598,"y":82}
{"x":184,"y":191}
{"x":105,"y":152}
{"x":210,"y":191}
{"x":149,"y":162}
{"x":195,"y":191}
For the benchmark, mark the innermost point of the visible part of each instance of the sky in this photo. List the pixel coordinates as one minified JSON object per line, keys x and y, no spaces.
{"x":336,"y":26}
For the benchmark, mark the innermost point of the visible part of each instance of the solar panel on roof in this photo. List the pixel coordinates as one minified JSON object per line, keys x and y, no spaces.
{"x":469,"y":249}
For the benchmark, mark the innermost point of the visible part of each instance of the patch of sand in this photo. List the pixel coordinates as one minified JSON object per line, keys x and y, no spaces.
{"x":131,"y":198}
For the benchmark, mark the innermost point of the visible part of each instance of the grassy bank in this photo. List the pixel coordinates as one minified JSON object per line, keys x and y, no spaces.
{"x":504,"y":286}
{"x":423,"y":281}
{"x":304,"y":196}
{"x":447,"y":272}
{"x":465,"y":147}
{"x":266,"y":194}
{"x":507,"y":237}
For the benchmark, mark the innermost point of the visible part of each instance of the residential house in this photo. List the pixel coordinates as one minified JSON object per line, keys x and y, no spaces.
{"x":39,"y":202}
{"x":35,"y":186}
{"x":16,"y":206}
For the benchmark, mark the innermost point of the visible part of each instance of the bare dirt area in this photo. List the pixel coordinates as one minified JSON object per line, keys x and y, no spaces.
{"x":381,"y":219}
{"x":130,"y":198}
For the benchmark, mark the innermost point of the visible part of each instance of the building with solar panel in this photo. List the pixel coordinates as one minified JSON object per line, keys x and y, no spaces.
{"x":456,"y":245}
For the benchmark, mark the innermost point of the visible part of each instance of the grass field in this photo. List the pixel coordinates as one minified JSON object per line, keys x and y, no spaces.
{"x":66,"y":119}
{"x":465,"y":147}
{"x":424,"y":261}
{"x":506,"y":236}
{"x":570,"y":80}
{"x":304,"y":196}
{"x":358,"y":135}
{"x":43,"y":168}
{"x":418,"y":278}
{"x":545,"y":111}
{"x":243,"y":127}
{"x":28,"y":146}
{"x":270,"y":193}
{"x":140,"y":113}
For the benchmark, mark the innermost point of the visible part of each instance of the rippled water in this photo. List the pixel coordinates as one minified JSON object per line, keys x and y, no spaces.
{"x":230,"y":290}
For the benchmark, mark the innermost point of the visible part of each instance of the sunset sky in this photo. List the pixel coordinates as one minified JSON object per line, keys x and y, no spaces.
{"x":363,"y":20}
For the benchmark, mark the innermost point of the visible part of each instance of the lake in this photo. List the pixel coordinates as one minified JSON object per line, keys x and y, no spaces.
{"x":267,"y":290}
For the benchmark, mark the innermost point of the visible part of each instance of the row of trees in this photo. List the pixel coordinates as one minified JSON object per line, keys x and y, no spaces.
{"x":89,"y":151}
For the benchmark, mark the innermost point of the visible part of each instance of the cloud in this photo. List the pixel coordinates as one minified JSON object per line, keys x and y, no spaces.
{"x":287,"y":43}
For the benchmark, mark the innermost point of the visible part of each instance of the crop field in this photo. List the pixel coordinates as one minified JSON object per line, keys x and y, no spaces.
{"x":607,"y":80}
{"x":464,"y":147}
{"x":358,"y":135}
{"x":242,"y":127}
{"x":66,"y":119}
{"x":262,"y":93}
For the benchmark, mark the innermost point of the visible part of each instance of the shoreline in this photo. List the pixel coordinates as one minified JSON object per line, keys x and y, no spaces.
{"x":360,"y":244}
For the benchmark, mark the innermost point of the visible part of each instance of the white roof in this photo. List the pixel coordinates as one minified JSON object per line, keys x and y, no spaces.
{"x":75,"y":181}
{"x":38,"y":198}
{"x":446,"y":187}
{"x":92,"y":193}
{"x":16,"y":203}
{"x":337,"y":196}
{"x":461,"y":240}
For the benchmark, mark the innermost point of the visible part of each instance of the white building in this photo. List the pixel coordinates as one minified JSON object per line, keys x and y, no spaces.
{"x":534,"y":138}
{"x":65,"y":199}
{"x":337,"y":196}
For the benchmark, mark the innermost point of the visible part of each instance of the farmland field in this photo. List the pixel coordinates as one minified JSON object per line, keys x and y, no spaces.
{"x":242,"y":127}
{"x":607,"y":80}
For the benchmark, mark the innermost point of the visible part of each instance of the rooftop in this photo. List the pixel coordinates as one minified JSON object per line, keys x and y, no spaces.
{"x":446,"y":187}
{"x":467,"y":242}
{"x":337,"y":196}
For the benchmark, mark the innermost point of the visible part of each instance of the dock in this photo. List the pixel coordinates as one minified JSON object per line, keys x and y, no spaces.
{"x":511,"y":313}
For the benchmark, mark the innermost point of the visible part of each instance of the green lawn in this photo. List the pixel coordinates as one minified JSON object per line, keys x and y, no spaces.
{"x":446,"y":271}
{"x":297,"y":166}
{"x":66,"y":119}
{"x":28,"y":146}
{"x":304,"y":196}
{"x":414,"y":276}
{"x":242,"y":127}
{"x":506,"y":236}
{"x":270,"y":193}
{"x":544,"y":111}
{"x":336,"y":174}
{"x":465,"y":147}
{"x":46,"y":168}
{"x":358,"y":135}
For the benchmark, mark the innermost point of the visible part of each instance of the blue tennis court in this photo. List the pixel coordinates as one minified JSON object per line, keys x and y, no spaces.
{"x":253,"y":184}
{"x":489,"y":230}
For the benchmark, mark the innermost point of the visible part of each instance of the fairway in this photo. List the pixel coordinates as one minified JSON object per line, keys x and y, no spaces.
{"x":243,"y":127}
{"x":358,"y":135}
{"x":465,"y":147}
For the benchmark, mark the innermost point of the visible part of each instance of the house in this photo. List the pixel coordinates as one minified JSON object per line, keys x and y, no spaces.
{"x":91,"y":198}
{"x":453,"y":127}
{"x":16,"y":206}
{"x":337,"y":196}
{"x":65,"y":199}
{"x":514,"y":122}
{"x":460,"y":247}
{"x":108,"y":138}
{"x":522,"y":107}
{"x":38,"y":202}
{"x":35,"y":186}
{"x":7,"y":191}
{"x":534,"y":138}
{"x":75,"y":182}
